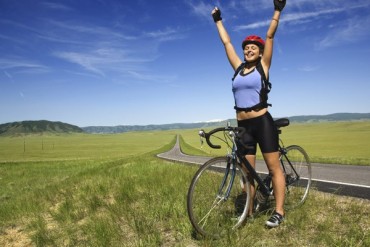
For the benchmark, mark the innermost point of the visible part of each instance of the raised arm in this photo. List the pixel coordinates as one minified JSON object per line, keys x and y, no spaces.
{"x":267,"y":54}
{"x":225,"y":39}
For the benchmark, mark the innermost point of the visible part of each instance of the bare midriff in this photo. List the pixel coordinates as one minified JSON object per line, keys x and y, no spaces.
{"x":242,"y":115}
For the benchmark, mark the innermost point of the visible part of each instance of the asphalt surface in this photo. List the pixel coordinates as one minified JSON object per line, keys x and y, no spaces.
{"x":345,"y":180}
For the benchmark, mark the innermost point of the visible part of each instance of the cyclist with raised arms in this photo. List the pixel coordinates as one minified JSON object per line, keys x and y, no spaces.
{"x":251,"y":107}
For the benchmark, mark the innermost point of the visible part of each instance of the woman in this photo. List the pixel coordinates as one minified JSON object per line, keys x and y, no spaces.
{"x":251,"y":113}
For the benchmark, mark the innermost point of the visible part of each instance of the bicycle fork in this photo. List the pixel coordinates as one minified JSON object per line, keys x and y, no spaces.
{"x":224,"y":189}
{"x":227,"y":180}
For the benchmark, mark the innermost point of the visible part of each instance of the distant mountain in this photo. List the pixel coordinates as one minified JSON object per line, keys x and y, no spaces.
{"x":218,"y":123}
{"x":38,"y":127}
{"x":331,"y":117}
{"x":44,"y":127}
{"x":128,"y":128}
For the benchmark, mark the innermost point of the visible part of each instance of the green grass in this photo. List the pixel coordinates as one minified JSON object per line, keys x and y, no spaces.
{"x":111,"y":190}
{"x":341,"y":142}
{"x":141,"y":202}
{"x":80,"y":146}
{"x":327,"y":142}
{"x":337,"y":142}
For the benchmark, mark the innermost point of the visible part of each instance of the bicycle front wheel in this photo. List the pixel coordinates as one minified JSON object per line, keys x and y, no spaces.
{"x":218,"y":198}
{"x":297,"y":168}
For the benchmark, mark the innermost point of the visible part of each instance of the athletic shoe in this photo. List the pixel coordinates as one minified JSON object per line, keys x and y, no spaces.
{"x":275,"y":220}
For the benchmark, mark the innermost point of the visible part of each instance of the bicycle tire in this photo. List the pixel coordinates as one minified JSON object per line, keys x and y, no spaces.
{"x":211,"y":215}
{"x":297,"y":169}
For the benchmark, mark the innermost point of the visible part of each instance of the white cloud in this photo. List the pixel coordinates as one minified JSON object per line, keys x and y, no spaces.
{"x":18,"y":62}
{"x":87,"y":61}
{"x":12,"y":39}
{"x":309,"y":68}
{"x":350,"y":28}
{"x":102,"y":50}
{"x":8,"y":75}
{"x":202,"y":9}
{"x":77,"y":29}
{"x":351,"y":31}
{"x":56,"y":6}
{"x":165,"y":35}
{"x":142,"y":76}
{"x":291,"y":18}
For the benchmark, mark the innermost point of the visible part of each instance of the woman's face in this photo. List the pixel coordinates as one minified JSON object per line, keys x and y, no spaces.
{"x":251,"y":52}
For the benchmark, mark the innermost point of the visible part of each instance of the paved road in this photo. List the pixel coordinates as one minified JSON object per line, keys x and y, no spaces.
{"x":340,"y":179}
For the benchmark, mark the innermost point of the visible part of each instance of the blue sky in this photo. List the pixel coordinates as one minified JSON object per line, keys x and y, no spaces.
{"x":125,"y":62}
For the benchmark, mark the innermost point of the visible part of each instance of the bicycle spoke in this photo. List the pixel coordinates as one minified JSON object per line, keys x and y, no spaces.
{"x":215,"y":204}
{"x":210,"y":215}
{"x":297,"y":170}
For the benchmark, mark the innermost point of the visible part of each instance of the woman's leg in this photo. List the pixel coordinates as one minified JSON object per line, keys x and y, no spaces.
{"x":278,"y":179}
{"x":252,"y":160}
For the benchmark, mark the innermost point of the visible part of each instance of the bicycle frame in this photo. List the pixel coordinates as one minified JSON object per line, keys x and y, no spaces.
{"x":233,"y":157}
{"x":237,"y":155}
{"x":214,"y":201}
{"x":252,"y":172}
{"x":230,"y":185}
{"x":283,"y":153}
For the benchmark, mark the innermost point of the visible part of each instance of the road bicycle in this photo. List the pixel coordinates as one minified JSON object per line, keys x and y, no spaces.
{"x":219,"y":198}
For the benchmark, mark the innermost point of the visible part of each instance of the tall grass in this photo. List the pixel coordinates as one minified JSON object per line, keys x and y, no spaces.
{"x":141,"y":201}
{"x":133,"y":202}
{"x":97,"y":194}
{"x":80,"y":146}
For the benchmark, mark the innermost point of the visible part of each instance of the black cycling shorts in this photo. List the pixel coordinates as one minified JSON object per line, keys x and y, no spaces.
{"x":261,"y":130}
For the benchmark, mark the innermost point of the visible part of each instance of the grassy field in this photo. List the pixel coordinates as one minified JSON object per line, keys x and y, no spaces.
{"x":80,"y":146}
{"x":111,"y":190}
{"x":335,"y":143}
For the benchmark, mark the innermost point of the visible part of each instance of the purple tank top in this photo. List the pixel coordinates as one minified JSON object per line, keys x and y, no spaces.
{"x":246,"y":89}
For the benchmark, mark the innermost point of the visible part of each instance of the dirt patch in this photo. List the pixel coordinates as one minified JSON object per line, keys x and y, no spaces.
{"x":15,"y":237}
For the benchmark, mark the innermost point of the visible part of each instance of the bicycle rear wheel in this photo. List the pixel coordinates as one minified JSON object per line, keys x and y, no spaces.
{"x":297,"y":168}
{"x":213,"y":210}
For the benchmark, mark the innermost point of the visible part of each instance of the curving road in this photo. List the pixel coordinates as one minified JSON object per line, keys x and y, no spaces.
{"x":339,"y":179}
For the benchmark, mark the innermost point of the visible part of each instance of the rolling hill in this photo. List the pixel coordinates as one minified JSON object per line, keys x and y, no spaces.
{"x":331,"y":117}
{"x":37,"y":127}
{"x":48,"y":127}
{"x":300,"y":119}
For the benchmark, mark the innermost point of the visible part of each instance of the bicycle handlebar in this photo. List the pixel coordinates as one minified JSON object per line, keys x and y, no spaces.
{"x":238,"y":131}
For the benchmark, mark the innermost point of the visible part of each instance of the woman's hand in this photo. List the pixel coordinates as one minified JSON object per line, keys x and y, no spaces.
{"x":216,"y":14}
{"x":279,"y":4}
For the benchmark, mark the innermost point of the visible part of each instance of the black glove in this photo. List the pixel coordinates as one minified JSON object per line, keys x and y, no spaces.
{"x":279,"y":4}
{"x":217,"y":15}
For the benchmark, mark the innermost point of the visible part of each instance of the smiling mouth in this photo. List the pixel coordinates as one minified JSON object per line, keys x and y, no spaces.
{"x":250,"y":54}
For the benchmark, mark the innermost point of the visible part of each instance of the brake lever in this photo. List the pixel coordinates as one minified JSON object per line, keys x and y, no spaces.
{"x":201,"y":136}
{"x":233,"y":136}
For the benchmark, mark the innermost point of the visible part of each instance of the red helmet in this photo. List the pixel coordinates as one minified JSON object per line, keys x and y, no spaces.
{"x":254,"y":39}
